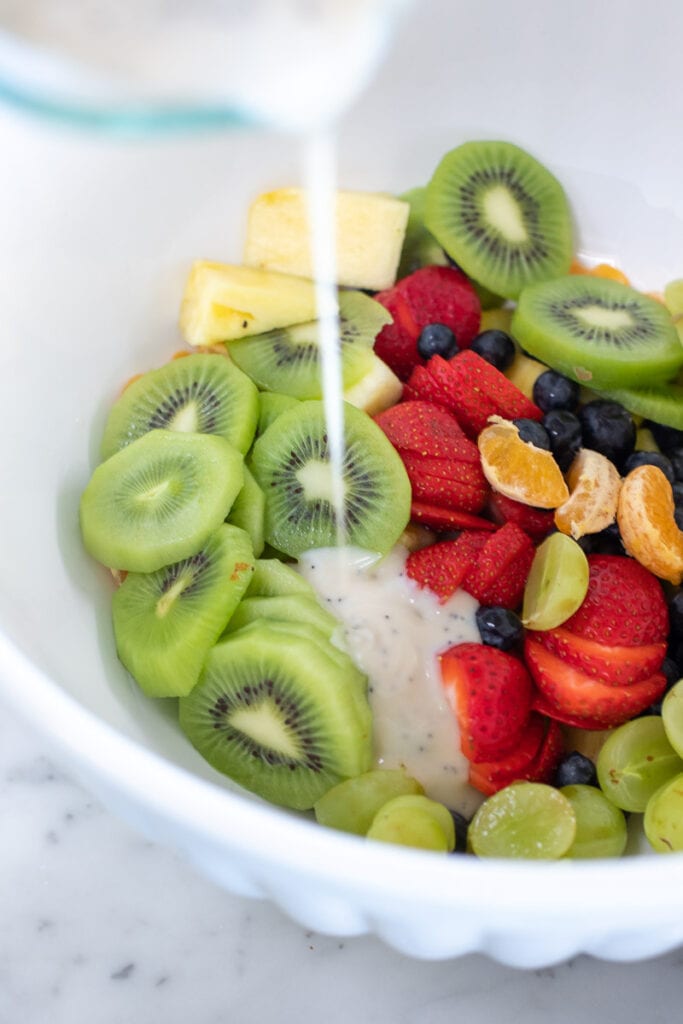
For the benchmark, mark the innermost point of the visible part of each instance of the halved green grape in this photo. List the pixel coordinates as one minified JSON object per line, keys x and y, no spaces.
{"x":672,"y":716}
{"x":414,"y":820}
{"x":635,"y":761}
{"x":352,"y":804}
{"x":600,"y":825}
{"x":527,"y":819}
{"x":663,"y":822}
{"x":557,"y":583}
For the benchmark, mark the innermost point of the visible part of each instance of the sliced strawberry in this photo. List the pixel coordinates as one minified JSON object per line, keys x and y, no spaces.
{"x":624,"y":605}
{"x":426,"y":430}
{"x":536,"y":522}
{"x":490,"y":692}
{"x":572,"y":692}
{"x":421,"y":385}
{"x":490,"y":776}
{"x":442,"y":567}
{"x":447,"y":518}
{"x":618,"y":666}
{"x":501,"y":571}
{"x":541,"y":704}
{"x":474,"y":390}
{"x":467,"y":471}
{"x":470,"y":497}
{"x":534,"y":759}
{"x":430,"y":295}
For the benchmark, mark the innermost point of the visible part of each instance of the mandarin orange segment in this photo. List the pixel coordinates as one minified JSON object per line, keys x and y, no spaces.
{"x":645,"y":515}
{"x":520,"y":470}
{"x":599,"y":270}
{"x":594,"y":484}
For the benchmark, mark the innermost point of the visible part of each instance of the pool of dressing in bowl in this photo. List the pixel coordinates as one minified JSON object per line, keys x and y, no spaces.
{"x":394,"y":632}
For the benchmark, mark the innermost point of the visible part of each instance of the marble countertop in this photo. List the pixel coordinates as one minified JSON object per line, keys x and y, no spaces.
{"x":101,"y":926}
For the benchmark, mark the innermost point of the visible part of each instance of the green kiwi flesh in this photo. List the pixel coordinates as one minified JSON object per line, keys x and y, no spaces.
{"x":165,"y":622}
{"x":157,"y":500}
{"x":291,"y":461}
{"x":249,"y":510}
{"x":288,"y":360}
{"x":273,"y":578}
{"x":351,"y":805}
{"x":599,"y":332}
{"x":501,"y":215}
{"x":297,"y":608}
{"x":271,"y":404}
{"x":421,"y":249}
{"x":201,"y":393}
{"x":279,"y":719}
{"x":663,"y":404}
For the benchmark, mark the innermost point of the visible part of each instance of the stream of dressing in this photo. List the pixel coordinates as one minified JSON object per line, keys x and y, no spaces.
{"x":393,"y":630}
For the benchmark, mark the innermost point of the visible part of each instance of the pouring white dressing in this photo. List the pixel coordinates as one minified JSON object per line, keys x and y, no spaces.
{"x":394,"y":632}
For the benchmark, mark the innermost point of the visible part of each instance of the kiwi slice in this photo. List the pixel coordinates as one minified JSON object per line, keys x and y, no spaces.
{"x":276,"y":717}
{"x":157,"y":500}
{"x":273,"y":578}
{"x":202,"y":393}
{"x":501,"y":215}
{"x":663,"y":404}
{"x":287,"y":608}
{"x":271,"y":404}
{"x":288,"y":360}
{"x":420,"y":248}
{"x":249,"y":510}
{"x":165,"y":622}
{"x":292,"y":463}
{"x":598,"y":332}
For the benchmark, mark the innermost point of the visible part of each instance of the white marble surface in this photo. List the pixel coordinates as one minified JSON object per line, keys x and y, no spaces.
{"x":101,"y":926}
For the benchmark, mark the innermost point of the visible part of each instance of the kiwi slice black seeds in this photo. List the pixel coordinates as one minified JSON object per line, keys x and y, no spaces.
{"x":500,"y":215}
{"x":597,"y":331}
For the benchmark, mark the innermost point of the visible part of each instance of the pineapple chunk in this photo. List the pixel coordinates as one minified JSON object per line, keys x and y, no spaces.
{"x":370,"y":228}
{"x":378,"y":389}
{"x":223,"y":302}
{"x":523,"y":373}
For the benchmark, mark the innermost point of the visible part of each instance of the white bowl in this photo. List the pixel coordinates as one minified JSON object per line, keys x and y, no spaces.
{"x":97,"y":237}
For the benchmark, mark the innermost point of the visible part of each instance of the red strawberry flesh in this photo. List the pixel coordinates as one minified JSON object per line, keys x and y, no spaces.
{"x":490,"y":692}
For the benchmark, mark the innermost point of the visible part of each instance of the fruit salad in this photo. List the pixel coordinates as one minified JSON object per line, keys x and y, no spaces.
{"x":465,"y":632}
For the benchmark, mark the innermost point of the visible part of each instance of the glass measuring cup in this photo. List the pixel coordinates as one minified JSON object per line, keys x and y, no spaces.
{"x":168,"y":64}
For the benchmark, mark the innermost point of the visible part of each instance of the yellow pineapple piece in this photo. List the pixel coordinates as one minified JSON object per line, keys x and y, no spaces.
{"x":523,"y":373}
{"x":223,"y":301}
{"x":377,"y":390}
{"x":369,"y":226}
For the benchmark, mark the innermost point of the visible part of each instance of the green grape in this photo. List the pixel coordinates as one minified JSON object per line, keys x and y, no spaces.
{"x":557,"y":583}
{"x":600,"y":825}
{"x":414,"y":820}
{"x":351,"y":805}
{"x":672,"y":716}
{"x":663,"y":822}
{"x":527,"y":819}
{"x":634,"y":761}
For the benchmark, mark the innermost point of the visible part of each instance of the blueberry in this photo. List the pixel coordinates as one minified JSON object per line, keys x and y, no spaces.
{"x":677,"y":491}
{"x":436,"y":340}
{"x":496,"y":347}
{"x":564,"y":431}
{"x":672,"y":673}
{"x":609,"y":429}
{"x":461,"y":825}
{"x":532,"y":432}
{"x":678,"y":516}
{"x":666,"y":437}
{"x":676,"y":457}
{"x":607,"y":542}
{"x":499,"y":627}
{"x":636,"y":459}
{"x":676,"y":615}
{"x":552,"y":390}
{"x":576,"y":770}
